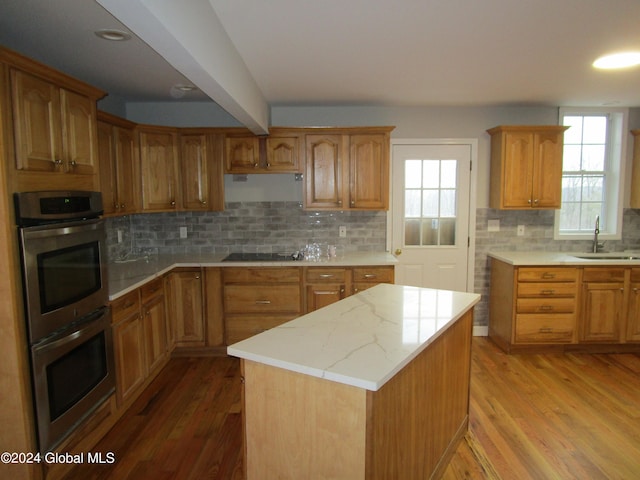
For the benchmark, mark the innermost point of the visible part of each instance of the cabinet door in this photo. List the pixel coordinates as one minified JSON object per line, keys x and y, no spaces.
{"x":283,"y":154}
{"x":128,"y":173}
{"x":186,"y":307}
{"x":323,"y":177}
{"x":602,"y":311}
{"x":128,"y":342}
{"x":37,"y":129}
{"x":79,"y":120}
{"x":195,"y":173}
{"x":547,"y":170}
{"x":518,"y":168}
{"x":633,"y":316}
{"x":155,"y":332}
{"x":369,"y":172}
{"x":159,"y":167}
{"x":107,"y":162}
{"x":242,"y":154}
{"x":319,"y":296}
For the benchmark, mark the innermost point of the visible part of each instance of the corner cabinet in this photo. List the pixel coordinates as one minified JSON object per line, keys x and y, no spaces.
{"x":201,"y":169}
{"x":186,"y":307}
{"x":347,"y":169}
{"x":526,"y":167}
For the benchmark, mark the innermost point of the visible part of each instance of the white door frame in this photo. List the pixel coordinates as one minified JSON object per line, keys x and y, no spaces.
{"x":473,"y":144}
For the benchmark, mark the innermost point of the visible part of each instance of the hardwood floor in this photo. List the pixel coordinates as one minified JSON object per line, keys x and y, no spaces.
{"x":554,"y":416}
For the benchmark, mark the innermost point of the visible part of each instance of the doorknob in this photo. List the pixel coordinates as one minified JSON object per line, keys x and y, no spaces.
{"x":397,"y":252}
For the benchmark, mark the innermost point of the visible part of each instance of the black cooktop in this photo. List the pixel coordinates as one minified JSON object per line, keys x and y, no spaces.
{"x":258,"y":257}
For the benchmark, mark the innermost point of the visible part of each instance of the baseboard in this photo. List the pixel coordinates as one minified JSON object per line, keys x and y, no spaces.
{"x":480,"y":330}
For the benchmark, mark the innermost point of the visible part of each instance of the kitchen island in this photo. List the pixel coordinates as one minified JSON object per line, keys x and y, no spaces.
{"x":373,"y":386}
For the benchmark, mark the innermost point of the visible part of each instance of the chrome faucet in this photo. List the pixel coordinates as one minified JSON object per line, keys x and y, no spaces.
{"x":596,"y":232}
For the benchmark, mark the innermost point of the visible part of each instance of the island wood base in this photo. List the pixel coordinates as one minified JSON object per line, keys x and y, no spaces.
{"x":299,"y":426}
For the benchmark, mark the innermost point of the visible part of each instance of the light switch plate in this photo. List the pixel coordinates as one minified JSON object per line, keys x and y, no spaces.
{"x":493,"y":226}
{"x":183,"y":232}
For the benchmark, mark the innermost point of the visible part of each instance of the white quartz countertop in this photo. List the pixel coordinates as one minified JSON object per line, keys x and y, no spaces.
{"x":568,"y":258}
{"x":362,"y":340}
{"x":125,"y":277}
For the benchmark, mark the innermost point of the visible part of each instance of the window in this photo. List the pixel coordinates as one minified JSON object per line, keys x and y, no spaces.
{"x":430,"y":202}
{"x":592,"y":173}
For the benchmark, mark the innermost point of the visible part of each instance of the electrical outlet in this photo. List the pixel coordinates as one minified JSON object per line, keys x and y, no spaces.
{"x":183,"y":232}
{"x":119,"y":236}
{"x":520,"y":231}
{"x":342,"y":231}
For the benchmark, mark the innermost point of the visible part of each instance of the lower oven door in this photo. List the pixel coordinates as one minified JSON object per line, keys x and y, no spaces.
{"x":73,"y":373}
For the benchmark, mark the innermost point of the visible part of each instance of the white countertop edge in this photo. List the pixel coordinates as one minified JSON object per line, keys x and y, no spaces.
{"x":525,"y":258}
{"x":372,"y":385}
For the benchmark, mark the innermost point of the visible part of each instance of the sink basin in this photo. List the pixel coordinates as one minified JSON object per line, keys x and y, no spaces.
{"x":607,"y":256}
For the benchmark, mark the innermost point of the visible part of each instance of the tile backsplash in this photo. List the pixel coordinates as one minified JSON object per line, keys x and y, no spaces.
{"x":264,"y":227}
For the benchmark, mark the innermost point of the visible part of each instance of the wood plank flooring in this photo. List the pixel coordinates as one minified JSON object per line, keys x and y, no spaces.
{"x":552,"y":416}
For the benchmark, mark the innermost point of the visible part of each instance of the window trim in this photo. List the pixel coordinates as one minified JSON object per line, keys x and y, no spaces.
{"x":615,"y":177}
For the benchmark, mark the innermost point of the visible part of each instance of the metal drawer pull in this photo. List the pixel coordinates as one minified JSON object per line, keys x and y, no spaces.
{"x":547,"y":292}
{"x":326,"y":275}
{"x":547,"y":275}
{"x":546,"y":308}
{"x":370,"y":275}
{"x":263,"y":302}
{"x":546,"y":330}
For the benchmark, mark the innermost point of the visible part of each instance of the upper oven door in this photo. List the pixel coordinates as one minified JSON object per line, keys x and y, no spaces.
{"x":64,"y":273}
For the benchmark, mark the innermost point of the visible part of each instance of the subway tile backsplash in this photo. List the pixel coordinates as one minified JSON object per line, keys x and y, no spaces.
{"x":265,"y":227}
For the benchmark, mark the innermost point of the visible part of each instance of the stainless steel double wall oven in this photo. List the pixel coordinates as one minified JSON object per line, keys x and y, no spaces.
{"x":63,"y":254}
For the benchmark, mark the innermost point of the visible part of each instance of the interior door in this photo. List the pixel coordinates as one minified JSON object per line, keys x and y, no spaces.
{"x":432,"y":190}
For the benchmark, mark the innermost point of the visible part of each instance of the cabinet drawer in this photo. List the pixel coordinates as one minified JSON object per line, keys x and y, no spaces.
{"x":152,"y":289}
{"x":603,"y":275}
{"x":635,"y":274}
{"x":254,"y":299}
{"x":544,"y":328}
{"x":373,"y":274}
{"x":261,"y":275}
{"x":546,"y":289}
{"x":244,"y":326}
{"x":542,"y":274}
{"x":125,"y":306}
{"x":326,"y":275}
{"x":546,"y":305}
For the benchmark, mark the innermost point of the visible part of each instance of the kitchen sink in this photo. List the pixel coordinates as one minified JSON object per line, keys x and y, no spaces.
{"x":608,"y":256}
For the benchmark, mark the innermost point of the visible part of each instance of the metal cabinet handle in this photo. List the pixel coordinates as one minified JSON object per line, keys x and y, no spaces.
{"x":370,"y":275}
{"x":326,"y":275}
{"x":547,"y":275}
{"x":546,"y":330}
{"x":547,"y":292}
{"x":263,"y":302}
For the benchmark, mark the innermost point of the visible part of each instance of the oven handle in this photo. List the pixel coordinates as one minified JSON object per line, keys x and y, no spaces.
{"x":89,"y":325}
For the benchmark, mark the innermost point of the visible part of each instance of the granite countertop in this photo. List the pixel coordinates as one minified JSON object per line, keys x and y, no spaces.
{"x":568,"y":258}
{"x":127,"y":276}
{"x":362,"y":340}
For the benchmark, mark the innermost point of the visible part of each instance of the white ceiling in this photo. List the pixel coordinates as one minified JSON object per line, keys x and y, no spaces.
{"x":368,"y":52}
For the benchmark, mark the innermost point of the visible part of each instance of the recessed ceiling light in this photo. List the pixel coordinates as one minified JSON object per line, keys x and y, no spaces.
{"x":618,"y":60}
{"x":179,"y":90}
{"x":186,"y":88}
{"x":113,"y":35}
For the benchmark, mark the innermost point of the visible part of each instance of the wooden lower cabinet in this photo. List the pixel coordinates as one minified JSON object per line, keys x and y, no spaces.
{"x":128,"y":343}
{"x":186,"y":307}
{"x":568,"y":308}
{"x":256,"y":299}
{"x":154,"y":324}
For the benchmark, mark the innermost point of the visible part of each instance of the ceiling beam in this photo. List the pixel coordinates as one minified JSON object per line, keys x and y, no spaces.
{"x":189,"y":35}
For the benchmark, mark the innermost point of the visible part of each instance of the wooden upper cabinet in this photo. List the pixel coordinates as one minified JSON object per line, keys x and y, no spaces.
{"x":119,"y":170}
{"x":635,"y":171}
{"x":369,"y":171}
{"x":279,"y":152}
{"x":347,"y":169}
{"x":323,"y":175}
{"x":55,"y":129}
{"x":201,"y":168}
{"x":526,"y":167}
{"x":159,"y":168}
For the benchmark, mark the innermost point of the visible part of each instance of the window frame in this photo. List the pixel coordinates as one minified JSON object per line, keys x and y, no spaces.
{"x":615,"y":165}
